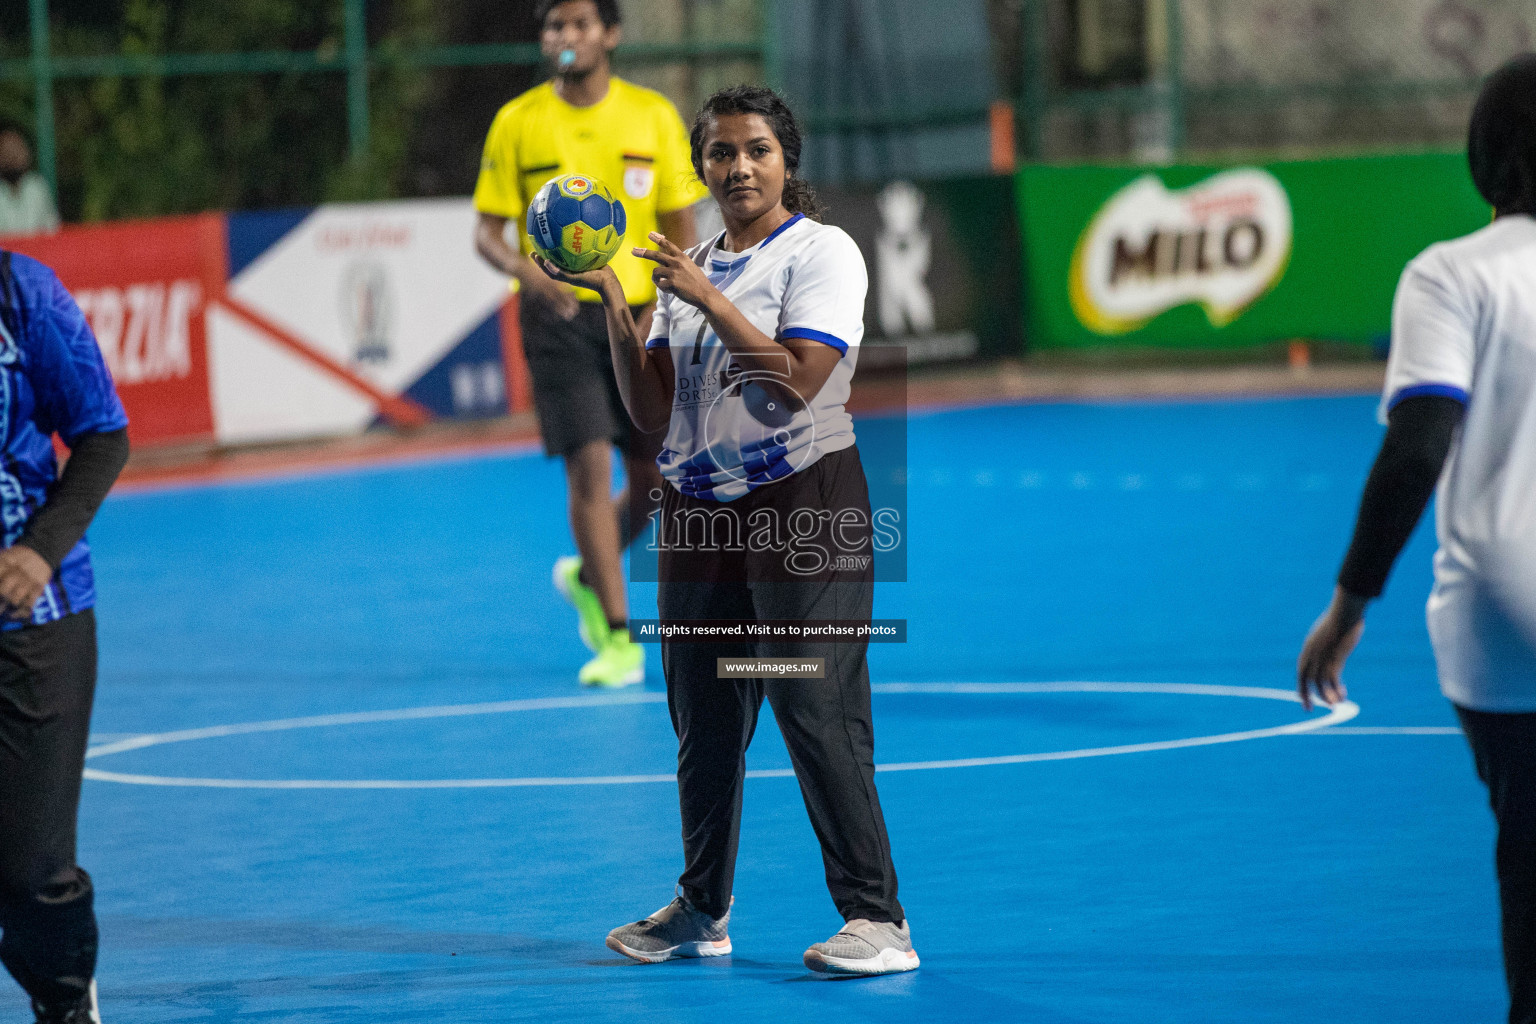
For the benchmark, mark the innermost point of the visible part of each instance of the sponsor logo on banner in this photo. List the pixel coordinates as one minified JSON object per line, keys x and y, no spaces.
{"x":1223,"y":242}
{"x":903,"y":254}
{"x":638,"y":181}
{"x":368,"y":304}
{"x":368,"y":235}
{"x":144,"y":330}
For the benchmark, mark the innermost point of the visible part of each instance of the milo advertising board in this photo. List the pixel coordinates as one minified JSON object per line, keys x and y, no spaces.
{"x":1210,"y":256}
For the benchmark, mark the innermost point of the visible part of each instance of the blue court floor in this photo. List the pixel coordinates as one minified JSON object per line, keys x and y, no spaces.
{"x":393,"y":626}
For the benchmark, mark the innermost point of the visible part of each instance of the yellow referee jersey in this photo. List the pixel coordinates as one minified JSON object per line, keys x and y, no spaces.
{"x":632,"y":140}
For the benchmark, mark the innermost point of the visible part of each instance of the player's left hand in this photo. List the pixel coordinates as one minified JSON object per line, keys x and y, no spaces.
{"x":676,"y":273}
{"x":23,"y":575}
{"x":1329,"y":644}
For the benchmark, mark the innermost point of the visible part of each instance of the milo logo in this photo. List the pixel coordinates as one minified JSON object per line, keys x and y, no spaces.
{"x":1223,"y":243}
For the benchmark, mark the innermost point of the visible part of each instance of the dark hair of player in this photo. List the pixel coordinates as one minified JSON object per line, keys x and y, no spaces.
{"x":799,"y":197}
{"x":1501,"y":143}
{"x":607,"y":11}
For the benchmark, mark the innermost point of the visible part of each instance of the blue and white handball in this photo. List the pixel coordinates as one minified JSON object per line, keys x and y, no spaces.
{"x":576,"y":223}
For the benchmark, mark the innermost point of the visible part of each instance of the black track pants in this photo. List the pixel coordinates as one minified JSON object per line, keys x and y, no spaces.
{"x":1504,"y":747}
{"x":47,"y":923}
{"x":826,"y":723}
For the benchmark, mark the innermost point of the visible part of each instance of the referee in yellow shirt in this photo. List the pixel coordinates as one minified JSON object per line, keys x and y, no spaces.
{"x":586,"y":121}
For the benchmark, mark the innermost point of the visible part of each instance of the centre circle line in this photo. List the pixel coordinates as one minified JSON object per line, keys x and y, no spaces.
{"x":1337,"y":714}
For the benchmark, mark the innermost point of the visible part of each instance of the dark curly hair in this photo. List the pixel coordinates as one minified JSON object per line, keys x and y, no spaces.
{"x":1501,"y":142}
{"x":799,"y":197}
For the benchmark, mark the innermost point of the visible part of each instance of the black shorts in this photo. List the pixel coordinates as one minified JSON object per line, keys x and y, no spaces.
{"x":574,"y":390}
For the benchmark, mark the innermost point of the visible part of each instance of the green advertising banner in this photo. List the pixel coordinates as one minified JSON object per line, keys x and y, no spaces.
{"x":1215,"y":257}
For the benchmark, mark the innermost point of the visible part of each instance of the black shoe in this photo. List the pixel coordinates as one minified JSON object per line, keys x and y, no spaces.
{"x":83,"y":1012}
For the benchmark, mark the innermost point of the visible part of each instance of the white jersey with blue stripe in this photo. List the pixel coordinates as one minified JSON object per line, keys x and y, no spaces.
{"x":1464,"y":327}
{"x":729,"y":435}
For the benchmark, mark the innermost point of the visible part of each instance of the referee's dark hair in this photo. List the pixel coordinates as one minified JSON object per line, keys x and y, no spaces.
{"x":1501,"y":143}
{"x":799,"y":197}
{"x":607,"y":11}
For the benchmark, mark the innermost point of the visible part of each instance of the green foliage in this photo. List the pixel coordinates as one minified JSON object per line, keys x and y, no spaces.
{"x":146,"y":146}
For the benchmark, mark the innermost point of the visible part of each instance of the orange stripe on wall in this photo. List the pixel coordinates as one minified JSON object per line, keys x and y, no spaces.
{"x":519,"y":388}
{"x":1000,"y":118}
{"x":399,"y":410}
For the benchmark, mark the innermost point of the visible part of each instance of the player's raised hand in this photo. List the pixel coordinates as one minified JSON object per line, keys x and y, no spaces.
{"x":1333,"y":637}
{"x":676,"y":273}
{"x":592,"y":279}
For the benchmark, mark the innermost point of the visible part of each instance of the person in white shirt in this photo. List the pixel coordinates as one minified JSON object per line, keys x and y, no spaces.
{"x":765,"y":517}
{"x":1460,"y":408}
{"x":26,"y":202}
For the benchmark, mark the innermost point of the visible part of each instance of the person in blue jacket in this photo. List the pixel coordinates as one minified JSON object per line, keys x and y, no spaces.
{"x":52,"y":381}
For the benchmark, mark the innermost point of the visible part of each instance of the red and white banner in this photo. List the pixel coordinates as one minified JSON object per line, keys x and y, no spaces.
{"x":244,"y":328}
{"x":145,"y":287}
{"x":356,"y":313}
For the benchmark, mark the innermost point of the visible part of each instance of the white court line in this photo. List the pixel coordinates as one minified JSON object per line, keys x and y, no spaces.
{"x":1395,"y":730}
{"x":163,"y":780}
{"x":363,"y":717}
{"x":1341,"y":712}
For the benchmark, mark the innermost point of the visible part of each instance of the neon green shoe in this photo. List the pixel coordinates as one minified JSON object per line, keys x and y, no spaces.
{"x":621,"y":662}
{"x":591,"y":620}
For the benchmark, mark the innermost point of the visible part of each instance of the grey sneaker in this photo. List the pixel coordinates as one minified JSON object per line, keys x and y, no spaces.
{"x":677,"y":929}
{"x":865,"y":947}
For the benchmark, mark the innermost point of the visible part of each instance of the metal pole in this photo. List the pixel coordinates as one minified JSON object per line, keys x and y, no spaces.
{"x":42,"y":95}
{"x":772,"y":45}
{"x":356,"y":30}
{"x":1034,"y":101}
{"x":691,"y":66}
{"x":1175,"y":77}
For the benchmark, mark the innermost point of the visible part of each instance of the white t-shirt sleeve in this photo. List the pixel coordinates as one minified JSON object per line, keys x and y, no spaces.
{"x":1434,"y":327}
{"x":824,"y":300}
{"x":661,"y":322}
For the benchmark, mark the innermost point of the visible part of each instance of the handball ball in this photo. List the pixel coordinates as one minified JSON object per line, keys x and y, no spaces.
{"x":575,"y":223}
